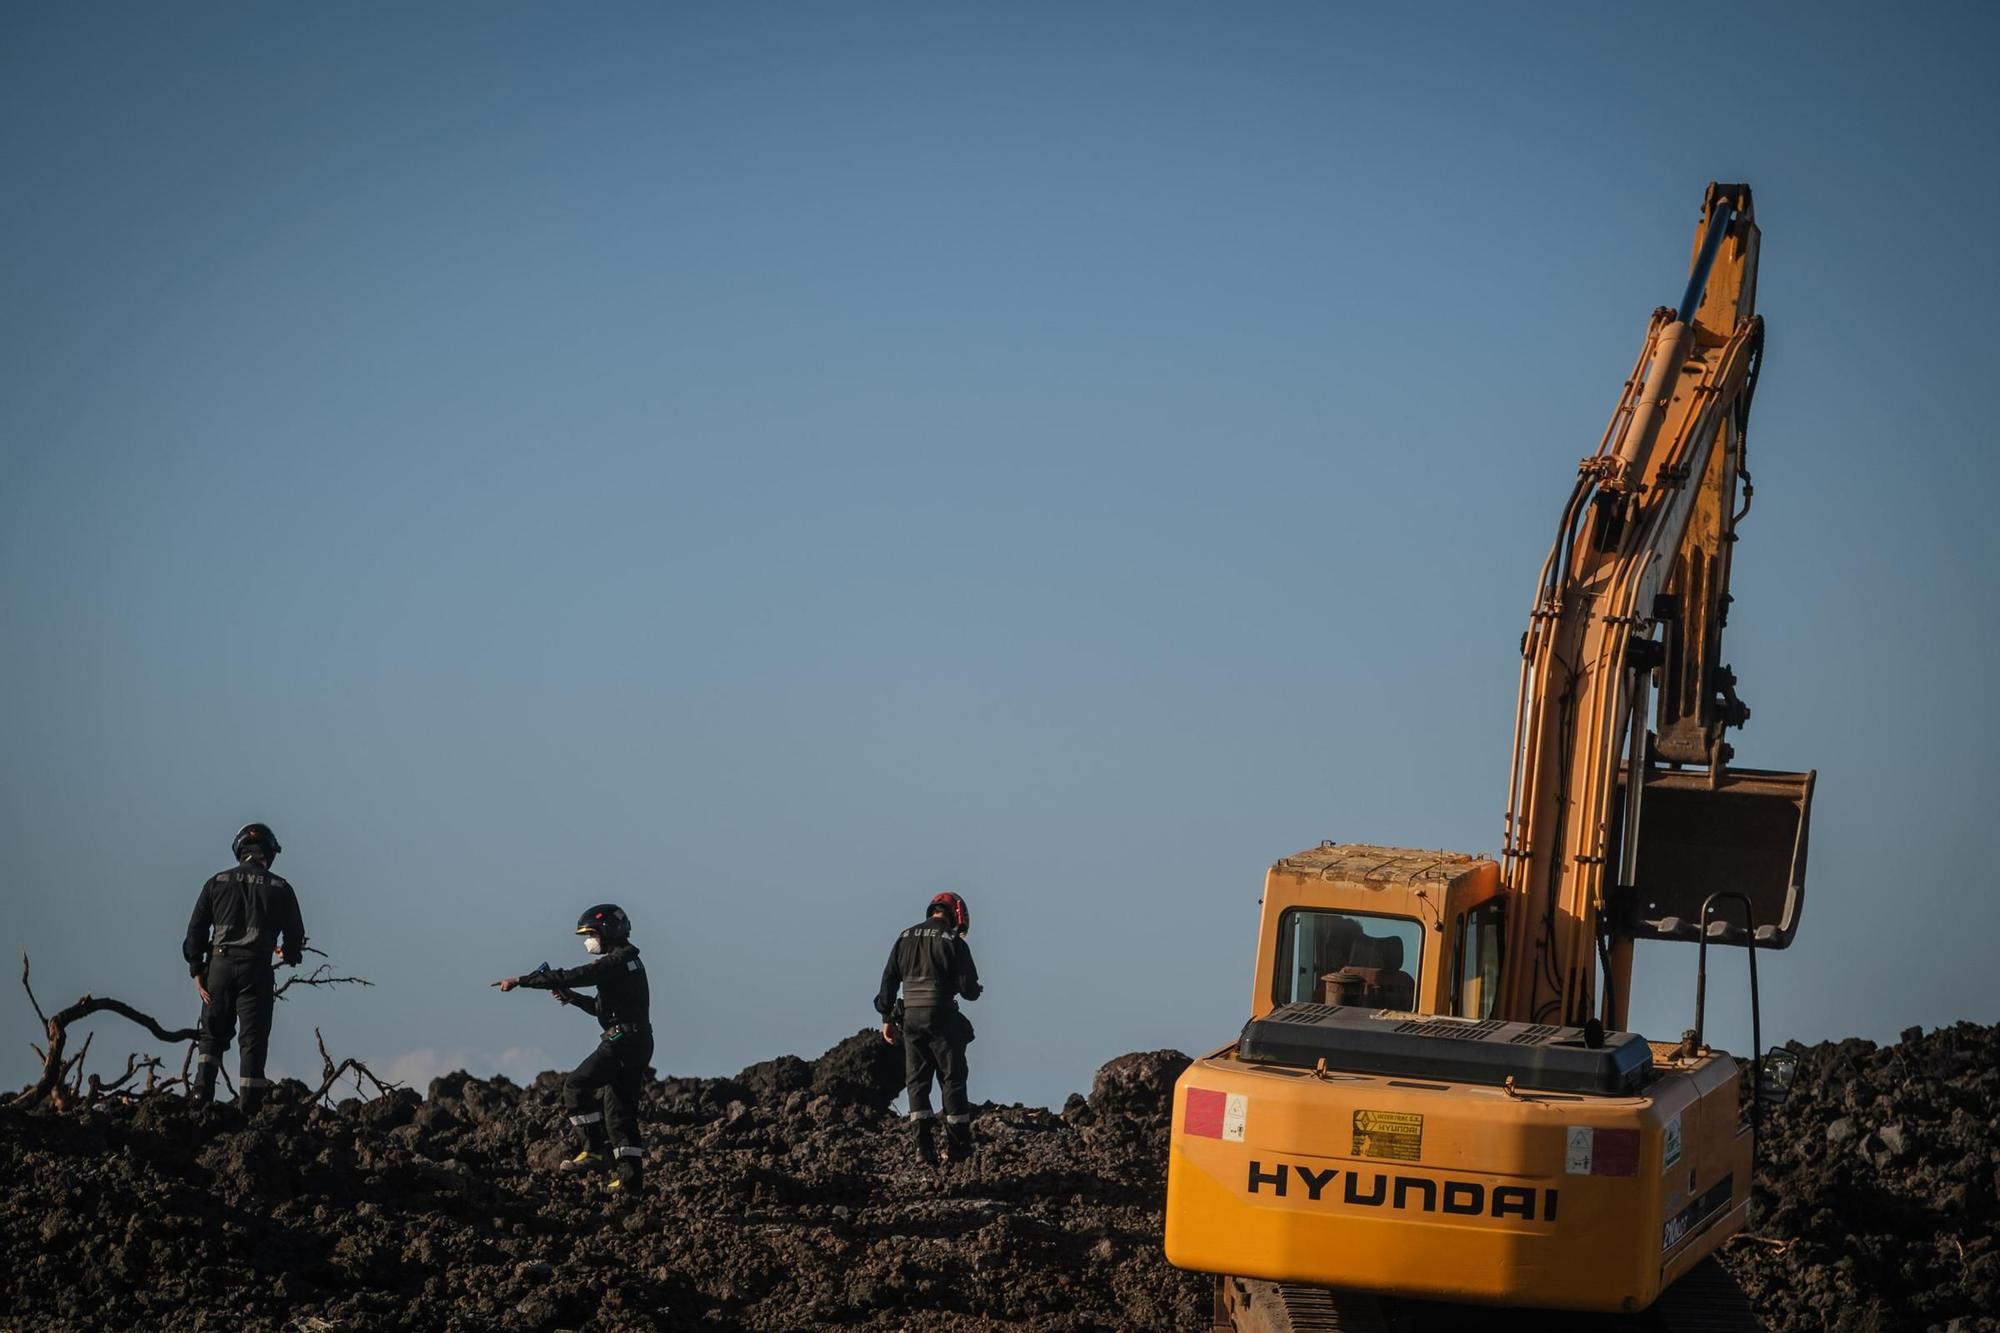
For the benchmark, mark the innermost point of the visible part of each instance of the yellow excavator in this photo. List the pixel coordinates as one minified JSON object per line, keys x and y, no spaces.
{"x":1435,"y":1102}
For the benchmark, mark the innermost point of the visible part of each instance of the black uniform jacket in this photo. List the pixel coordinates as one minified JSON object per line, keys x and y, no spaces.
{"x":248,"y":907}
{"x":933,"y":966}
{"x":623,"y":998}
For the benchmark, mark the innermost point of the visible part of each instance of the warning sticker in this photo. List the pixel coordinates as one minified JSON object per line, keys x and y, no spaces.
{"x":1601,"y":1152}
{"x":1671,"y":1151}
{"x":1396,"y":1135}
{"x":1576,"y":1161}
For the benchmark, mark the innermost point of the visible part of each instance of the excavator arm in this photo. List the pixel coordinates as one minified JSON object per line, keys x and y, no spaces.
{"x":1634,"y":594}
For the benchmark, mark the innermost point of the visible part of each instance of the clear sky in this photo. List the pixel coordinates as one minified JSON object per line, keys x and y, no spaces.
{"x":762,"y":464}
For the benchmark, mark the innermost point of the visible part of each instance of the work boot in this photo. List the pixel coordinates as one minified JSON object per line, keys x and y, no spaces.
{"x":926,"y":1135}
{"x":249,"y":1097}
{"x":629,"y":1180}
{"x":203,"y":1091}
{"x":587,"y":1162}
{"x":958,"y":1140}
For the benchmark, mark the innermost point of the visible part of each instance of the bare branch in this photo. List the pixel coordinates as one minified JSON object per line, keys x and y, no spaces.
{"x":77,"y":1062}
{"x":133,"y":1064}
{"x":66,"y":1088}
{"x":55,"y":1069}
{"x":359,"y":1070}
{"x":63,"y":1079}
{"x":319,"y":976}
{"x":31,"y":990}
{"x":92,"y":1004}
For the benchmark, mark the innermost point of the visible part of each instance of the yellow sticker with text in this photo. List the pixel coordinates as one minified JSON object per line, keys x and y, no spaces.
{"x":1396,"y":1135}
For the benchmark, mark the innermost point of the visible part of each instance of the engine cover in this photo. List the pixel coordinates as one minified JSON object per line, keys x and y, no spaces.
{"x":1537,"y":1056}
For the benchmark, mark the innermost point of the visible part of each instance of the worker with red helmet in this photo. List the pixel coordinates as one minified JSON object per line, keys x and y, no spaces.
{"x":932,"y":964}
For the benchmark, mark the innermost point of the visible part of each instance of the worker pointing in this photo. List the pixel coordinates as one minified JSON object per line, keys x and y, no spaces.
{"x":617,"y":1068}
{"x":932,"y":964}
{"x":243,"y":917}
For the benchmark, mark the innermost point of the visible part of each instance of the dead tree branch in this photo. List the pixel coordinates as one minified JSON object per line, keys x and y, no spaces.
{"x":55,"y":1069}
{"x":319,"y":976}
{"x":63,"y":1079}
{"x":44,"y":1018}
{"x":133,"y":1064}
{"x":75,"y":1086}
{"x":360,"y":1071}
{"x":1772,"y":1242}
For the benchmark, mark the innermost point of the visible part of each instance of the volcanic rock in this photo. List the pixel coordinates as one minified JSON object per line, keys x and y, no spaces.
{"x":1878,"y":1189}
{"x":790,"y":1197}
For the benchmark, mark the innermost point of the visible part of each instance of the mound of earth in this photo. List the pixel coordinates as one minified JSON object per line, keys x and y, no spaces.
{"x":1878,"y":1190}
{"x":787,"y":1197}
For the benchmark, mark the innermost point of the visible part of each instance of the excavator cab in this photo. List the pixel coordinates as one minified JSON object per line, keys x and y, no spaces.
{"x":1329,"y":956}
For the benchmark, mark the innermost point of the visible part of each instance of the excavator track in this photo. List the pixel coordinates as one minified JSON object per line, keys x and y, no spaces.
{"x":1246,"y":1305}
{"x":1707,"y":1300}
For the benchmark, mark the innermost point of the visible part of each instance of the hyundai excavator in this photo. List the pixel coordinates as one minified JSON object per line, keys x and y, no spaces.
{"x":1435,"y":1102}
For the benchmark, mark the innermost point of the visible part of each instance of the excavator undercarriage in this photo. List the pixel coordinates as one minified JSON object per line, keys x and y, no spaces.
{"x":1707,"y":1300}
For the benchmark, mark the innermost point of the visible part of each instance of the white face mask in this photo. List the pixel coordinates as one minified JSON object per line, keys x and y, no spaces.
{"x":591,"y":944}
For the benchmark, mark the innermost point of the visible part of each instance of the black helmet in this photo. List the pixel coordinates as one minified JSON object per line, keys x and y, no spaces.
{"x":256,"y":835}
{"x":608,"y":921}
{"x":954,"y":909}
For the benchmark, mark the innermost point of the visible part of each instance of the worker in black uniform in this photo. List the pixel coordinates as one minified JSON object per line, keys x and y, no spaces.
{"x":618,"y":1066}
{"x":243,"y":917}
{"x":934,"y":967}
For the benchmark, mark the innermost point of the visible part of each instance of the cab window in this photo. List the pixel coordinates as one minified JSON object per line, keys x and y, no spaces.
{"x":1328,"y":957}
{"x":1475,"y":981}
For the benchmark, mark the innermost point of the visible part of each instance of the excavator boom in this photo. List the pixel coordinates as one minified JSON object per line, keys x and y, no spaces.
{"x":1636,"y":587}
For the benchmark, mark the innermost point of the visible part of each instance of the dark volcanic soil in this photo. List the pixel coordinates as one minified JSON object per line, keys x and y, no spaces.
{"x":788,"y":1198}
{"x":1879,"y":1189}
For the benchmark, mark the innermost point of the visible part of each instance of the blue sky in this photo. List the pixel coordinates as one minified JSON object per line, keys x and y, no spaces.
{"x":762,"y":465}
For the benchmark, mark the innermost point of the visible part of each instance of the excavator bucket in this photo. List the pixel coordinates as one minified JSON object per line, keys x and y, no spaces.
{"x":1745,"y":833}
